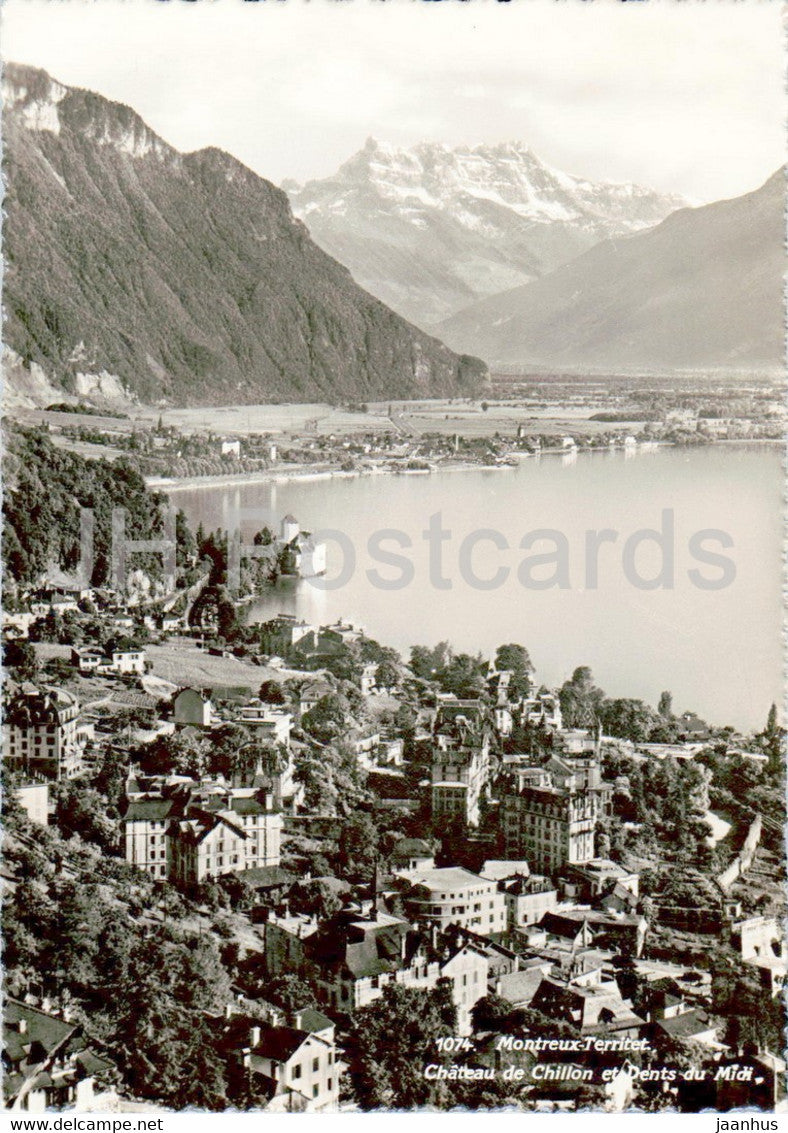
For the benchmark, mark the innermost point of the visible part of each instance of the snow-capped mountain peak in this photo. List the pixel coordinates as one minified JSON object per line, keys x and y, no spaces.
{"x":430,"y":227}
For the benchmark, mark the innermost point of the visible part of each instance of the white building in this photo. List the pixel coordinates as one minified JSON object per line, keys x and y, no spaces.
{"x":114,"y":660}
{"x":43,"y":735}
{"x":455,"y":896}
{"x":298,"y":1066}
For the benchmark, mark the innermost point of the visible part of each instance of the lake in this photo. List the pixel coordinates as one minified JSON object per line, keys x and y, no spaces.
{"x":697,"y":614}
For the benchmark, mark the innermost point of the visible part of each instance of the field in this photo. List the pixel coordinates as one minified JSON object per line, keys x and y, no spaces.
{"x":178,"y":662}
{"x":407,"y":417}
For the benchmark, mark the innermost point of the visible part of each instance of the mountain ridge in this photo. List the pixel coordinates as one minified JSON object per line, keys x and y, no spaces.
{"x":703,"y":288}
{"x":184,"y":277}
{"x":431,"y":228}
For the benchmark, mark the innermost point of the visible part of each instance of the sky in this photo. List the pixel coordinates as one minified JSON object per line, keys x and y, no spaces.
{"x":680,"y":95}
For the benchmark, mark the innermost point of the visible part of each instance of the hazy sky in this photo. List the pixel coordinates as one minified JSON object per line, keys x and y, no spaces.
{"x":684,"y":96}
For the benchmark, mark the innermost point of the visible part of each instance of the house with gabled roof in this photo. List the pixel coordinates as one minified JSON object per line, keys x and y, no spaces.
{"x":43,"y":735}
{"x":190,"y":831}
{"x":295,"y":1066}
{"x":589,"y":1002}
{"x":47,"y":1061}
{"x":311,"y":693}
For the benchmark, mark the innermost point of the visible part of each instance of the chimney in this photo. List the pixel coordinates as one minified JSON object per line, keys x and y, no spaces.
{"x":21,"y":1026}
{"x":254,"y":1036}
{"x":374,"y":892}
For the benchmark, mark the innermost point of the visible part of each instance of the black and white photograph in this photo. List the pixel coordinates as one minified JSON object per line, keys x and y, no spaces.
{"x":393,"y":471}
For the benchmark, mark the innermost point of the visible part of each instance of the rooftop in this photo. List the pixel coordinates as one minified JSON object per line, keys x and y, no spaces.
{"x":450,"y":877}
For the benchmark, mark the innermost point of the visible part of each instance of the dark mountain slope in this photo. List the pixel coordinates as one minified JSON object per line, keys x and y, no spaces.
{"x":186,"y":276}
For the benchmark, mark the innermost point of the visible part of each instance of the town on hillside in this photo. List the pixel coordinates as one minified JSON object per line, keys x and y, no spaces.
{"x":292,"y":870}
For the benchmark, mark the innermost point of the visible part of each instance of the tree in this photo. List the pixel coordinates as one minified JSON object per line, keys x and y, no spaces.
{"x":232,"y":750}
{"x":271,"y":692}
{"x":426,"y":662}
{"x":83,"y":812}
{"x":346,"y":663}
{"x":490,"y":1013}
{"x":628,"y":719}
{"x":389,"y":1041}
{"x":289,"y":992}
{"x":516,"y":660}
{"x":314,"y":898}
{"x":464,"y":676}
{"x":771,"y":722}
{"x":359,"y":847}
{"x":186,"y":545}
{"x":110,"y":777}
{"x":580,"y":699}
{"x":180,"y":754}
{"x":386,"y":675}
{"x":21,"y":657}
{"x":264,"y":537}
{"x":665,"y":706}
{"x":329,"y":718}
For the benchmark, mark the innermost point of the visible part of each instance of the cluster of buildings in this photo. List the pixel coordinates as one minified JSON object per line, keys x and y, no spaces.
{"x":542,"y":927}
{"x":114,"y":659}
{"x":351,"y":957}
{"x":286,"y":636}
{"x":47,"y":1061}
{"x":188,"y":832}
{"x":549,"y":808}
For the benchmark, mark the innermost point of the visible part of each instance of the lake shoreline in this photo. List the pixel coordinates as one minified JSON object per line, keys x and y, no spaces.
{"x":306,"y":475}
{"x":302,"y":476}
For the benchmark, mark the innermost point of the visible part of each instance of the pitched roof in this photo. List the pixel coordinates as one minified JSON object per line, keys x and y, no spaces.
{"x":266,"y":876}
{"x":408,"y":847}
{"x":687,"y":1025}
{"x":148,"y":810}
{"x":201,"y":823}
{"x":40,"y":1027}
{"x":360,"y":946}
{"x":314,"y":1021}
{"x":246,"y":804}
{"x":520,"y":988}
{"x":280,"y":1043}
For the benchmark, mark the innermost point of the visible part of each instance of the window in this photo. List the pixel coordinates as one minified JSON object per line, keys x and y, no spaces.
{"x":315,"y":1065}
{"x":329,"y":1084}
{"x":315,"y":1090}
{"x":297,"y":1070}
